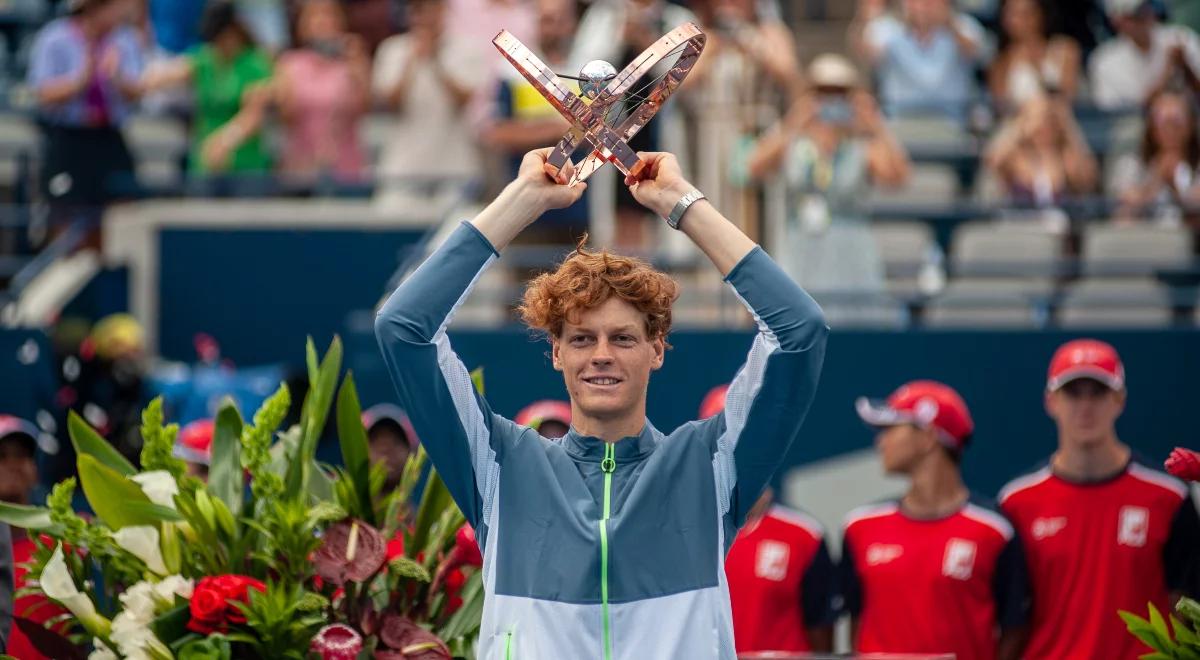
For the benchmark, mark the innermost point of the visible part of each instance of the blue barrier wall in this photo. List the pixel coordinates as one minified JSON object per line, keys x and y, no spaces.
{"x":1001,"y":375}
{"x":259,"y":292}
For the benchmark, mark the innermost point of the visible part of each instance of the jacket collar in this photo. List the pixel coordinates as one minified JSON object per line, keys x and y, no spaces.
{"x":591,"y":449}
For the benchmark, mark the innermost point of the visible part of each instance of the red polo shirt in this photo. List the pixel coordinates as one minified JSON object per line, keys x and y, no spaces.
{"x":780,"y":582}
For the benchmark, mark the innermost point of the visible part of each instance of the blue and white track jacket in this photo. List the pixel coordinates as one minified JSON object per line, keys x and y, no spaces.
{"x":596,"y":550}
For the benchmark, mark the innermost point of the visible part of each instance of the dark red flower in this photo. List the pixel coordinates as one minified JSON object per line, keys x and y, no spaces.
{"x":337,"y":642}
{"x":1184,"y":463}
{"x":411,"y":641}
{"x":453,"y":604}
{"x":351,"y":550}
{"x":466,"y":549}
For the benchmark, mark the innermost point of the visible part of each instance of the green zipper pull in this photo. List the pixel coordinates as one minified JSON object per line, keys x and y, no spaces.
{"x":608,"y":465}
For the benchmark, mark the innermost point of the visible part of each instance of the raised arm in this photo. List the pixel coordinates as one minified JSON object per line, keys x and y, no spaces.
{"x":771,"y":393}
{"x":455,"y":424}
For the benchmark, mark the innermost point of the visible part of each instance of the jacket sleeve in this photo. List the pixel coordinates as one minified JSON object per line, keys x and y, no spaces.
{"x":454,"y":423}
{"x":771,"y":393}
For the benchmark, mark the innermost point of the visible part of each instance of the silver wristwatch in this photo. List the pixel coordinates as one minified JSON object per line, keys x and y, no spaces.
{"x":690,"y":197}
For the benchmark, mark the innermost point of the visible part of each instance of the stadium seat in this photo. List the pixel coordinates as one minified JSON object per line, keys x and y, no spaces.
{"x":1007,"y":303}
{"x":1006,"y":249}
{"x":18,"y":136}
{"x":158,"y":145}
{"x":1134,"y":250}
{"x":928,"y":184}
{"x":904,"y":247}
{"x":1108,"y":302}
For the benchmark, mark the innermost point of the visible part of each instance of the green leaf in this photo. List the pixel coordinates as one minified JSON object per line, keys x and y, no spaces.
{"x":225,"y":477}
{"x":113,"y":497}
{"x":172,"y":624}
{"x":407,"y":568}
{"x":312,"y":418}
{"x":355,"y":456}
{"x":151,"y":511}
{"x":1183,"y":634}
{"x":1158,"y":622}
{"x":477,"y":380}
{"x":320,"y":484}
{"x":466,"y":621}
{"x":88,"y":442}
{"x":434,"y":501}
{"x":26,"y":517}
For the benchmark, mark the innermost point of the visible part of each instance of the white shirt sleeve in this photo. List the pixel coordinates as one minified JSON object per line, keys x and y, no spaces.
{"x":881,"y":32}
{"x":390,"y":61}
{"x":975,"y":33}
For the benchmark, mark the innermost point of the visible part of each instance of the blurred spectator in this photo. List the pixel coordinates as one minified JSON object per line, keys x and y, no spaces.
{"x":18,"y":477}
{"x":617,"y":31}
{"x":374,"y":20}
{"x":1041,"y":156}
{"x":925,"y":60}
{"x":524,"y":120}
{"x":1143,"y":58}
{"x":1156,"y":180}
{"x":176,"y":23}
{"x":227,"y":75}
{"x":391,"y":441}
{"x":194,"y":445}
{"x":322,"y":89}
{"x":552,"y":419}
{"x":472,"y":26}
{"x":427,"y":78}
{"x":84,"y":69}
{"x":829,"y":149}
{"x":266,"y":21}
{"x":1031,"y":61}
{"x":747,"y":73}
{"x":1184,"y":12}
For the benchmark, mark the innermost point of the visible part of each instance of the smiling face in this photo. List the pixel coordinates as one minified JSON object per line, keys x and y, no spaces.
{"x":606,"y":358}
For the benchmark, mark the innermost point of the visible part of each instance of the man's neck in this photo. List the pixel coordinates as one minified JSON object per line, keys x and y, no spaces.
{"x":936,"y":490}
{"x":609,"y":429}
{"x":1090,"y":462}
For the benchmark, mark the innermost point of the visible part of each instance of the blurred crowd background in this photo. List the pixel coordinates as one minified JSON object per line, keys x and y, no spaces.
{"x":188,"y":187}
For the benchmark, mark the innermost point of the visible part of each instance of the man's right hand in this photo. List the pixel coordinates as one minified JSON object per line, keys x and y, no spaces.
{"x":546,"y":185}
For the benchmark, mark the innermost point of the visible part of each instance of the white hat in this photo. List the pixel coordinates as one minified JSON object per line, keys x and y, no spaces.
{"x":832,"y":70}
{"x":1123,"y":7}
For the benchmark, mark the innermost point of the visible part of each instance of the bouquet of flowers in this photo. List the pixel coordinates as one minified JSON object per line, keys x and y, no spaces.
{"x":275,"y":556}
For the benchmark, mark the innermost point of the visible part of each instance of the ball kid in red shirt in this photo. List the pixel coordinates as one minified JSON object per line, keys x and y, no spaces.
{"x":937,"y":571}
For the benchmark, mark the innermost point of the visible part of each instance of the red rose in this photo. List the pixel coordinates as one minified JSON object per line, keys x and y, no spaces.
{"x":213,"y":602}
{"x":1184,"y":463}
{"x":466,"y":549}
{"x":207,"y":608}
{"x":395,"y":547}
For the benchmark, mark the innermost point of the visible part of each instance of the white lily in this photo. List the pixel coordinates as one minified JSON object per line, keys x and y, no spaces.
{"x":142,"y":542}
{"x":159,"y":486}
{"x":57,"y":584}
{"x":102,"y":652}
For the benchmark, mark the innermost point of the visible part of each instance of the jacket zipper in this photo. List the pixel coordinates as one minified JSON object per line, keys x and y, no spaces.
{"x":508,"y":654}
{"x":608,"y":465}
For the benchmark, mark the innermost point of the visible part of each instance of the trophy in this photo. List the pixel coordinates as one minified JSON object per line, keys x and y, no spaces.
{"x":607,"y":113}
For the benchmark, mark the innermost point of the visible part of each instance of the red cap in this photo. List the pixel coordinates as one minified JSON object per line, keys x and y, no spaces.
{"x":195,"y":442}
{"x":1086,"y":358}
{"x":927,"y":404}
{"x":537,"y":412}
{"x":714,"y":401}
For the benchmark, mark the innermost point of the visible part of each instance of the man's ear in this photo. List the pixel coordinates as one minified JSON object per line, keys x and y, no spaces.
{"x":554,"y":356}
{"x":660,"y":353}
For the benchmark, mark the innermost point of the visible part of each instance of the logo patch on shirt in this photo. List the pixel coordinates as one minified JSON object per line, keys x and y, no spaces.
{"x":959,"y":562}
{"x":771,"y":561}
{"x":1044,"y":528}
{"x":883,"y":553}
{"x":1134,"y":526}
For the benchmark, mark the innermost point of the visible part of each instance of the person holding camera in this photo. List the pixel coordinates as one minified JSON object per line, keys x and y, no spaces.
{"x":322,"y":90}
{"x":830,"y":148}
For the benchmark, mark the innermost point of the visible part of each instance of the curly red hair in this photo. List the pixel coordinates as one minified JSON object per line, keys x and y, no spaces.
{"x":586,"y":279}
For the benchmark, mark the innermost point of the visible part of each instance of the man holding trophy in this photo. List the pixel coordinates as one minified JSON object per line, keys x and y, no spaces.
{"x":609,"y":542}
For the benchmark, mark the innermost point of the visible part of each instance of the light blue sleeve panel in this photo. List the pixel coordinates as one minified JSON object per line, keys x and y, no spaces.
{"x":454,"y":423}
{"x":771,"y":393}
